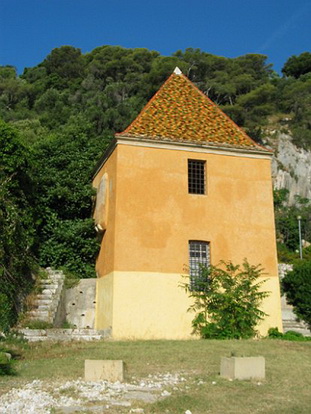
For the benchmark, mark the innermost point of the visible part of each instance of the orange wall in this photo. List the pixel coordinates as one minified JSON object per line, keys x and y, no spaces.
{"x":105,"y":260}
{"x":152,"y":216}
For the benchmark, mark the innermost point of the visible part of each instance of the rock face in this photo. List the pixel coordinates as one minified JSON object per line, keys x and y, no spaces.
{"x":291,"y":167}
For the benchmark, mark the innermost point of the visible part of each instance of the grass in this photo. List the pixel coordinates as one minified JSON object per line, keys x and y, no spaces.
{"x":285,"y":390}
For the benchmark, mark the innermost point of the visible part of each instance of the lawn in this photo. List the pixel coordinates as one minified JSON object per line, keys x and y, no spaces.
{"x":286,"y":389}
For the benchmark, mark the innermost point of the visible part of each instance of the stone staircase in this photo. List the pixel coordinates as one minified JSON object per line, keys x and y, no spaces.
{"x":290,"y":322}
{"x":55,"y":305}
{"x":294,"y":325}
{"x":46,"y":303}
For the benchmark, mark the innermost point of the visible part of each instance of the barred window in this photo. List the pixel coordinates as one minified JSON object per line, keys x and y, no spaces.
{"x":196,"y":177}
{"x":199,"y":255}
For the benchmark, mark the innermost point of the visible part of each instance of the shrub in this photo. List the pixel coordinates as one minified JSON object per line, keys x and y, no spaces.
{"x":226,"y":301}
{"x":11,"y":347}
{"x":5,"y":312}
{"x":274,"y":333}
{"x":296,"y":285}
{"x":6,"y":364}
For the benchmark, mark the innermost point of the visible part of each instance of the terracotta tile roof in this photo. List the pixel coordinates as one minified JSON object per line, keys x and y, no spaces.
{"x":180,"y":112}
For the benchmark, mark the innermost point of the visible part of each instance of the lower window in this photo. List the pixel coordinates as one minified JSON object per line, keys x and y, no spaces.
{"x":199,"y":256}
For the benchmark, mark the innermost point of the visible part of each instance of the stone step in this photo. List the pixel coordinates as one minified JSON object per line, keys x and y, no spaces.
{"x":43,"y":296}
{"x":39,"y":314}
{"x":49,"y":286}
{"x":39,"y":302}
{"x":292,"y":325}
{"x":43,"y":308}
{"x":48,"y":291}
{"x":34,"y":335}
{"x":291,"y":322}
{"x":55,"y":276}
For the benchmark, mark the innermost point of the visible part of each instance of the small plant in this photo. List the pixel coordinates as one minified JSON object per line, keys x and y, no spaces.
{"x":226,"y":301}
{"x":274,"y":333}
{"x":68,"y":325}
{"x":37,"y":324}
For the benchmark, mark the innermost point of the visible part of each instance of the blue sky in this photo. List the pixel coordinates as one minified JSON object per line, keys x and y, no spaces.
{"x":30,"y":29}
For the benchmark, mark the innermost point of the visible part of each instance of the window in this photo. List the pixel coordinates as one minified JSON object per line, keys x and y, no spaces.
{"x":196,"y":177}
{"x":199,"y":255}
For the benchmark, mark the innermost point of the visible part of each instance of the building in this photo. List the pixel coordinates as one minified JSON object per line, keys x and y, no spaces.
{"x":182,"y":185}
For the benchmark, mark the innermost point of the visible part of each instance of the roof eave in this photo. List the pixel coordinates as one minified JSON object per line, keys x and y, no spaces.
{"x":199,"y":144}
{"x":108,"y":151}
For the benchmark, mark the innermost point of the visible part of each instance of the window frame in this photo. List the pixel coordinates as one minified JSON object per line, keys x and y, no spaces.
{"x":197,"y":182}
{"x":196,"y":262}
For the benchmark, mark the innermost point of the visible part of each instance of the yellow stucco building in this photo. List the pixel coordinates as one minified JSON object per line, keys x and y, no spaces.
{"x":182,"y":185}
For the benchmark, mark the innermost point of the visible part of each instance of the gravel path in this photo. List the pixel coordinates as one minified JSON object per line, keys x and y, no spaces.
{"x":40,"y":397}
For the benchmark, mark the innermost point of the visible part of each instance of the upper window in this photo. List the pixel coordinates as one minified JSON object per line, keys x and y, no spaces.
{"x":196,"y":177}
{"x":199,"y":258}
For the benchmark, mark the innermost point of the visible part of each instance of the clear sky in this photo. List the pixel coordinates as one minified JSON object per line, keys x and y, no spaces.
{"x":30,"y":29}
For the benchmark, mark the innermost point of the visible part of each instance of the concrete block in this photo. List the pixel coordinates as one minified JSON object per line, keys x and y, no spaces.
{"x":103,"y":370}
{"x":243,"y":368}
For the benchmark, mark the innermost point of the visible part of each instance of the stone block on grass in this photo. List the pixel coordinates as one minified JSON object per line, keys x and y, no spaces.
{"x":243,"y":368}
{"x":103,"y":370}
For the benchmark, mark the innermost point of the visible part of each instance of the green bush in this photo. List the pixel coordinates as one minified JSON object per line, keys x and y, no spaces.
{"x":11,"y":348}
{"x":226,"y":301}
{"x":5,"y":312}
{"x":6,"y":364}
{"x":274,"y":333}
{"x":297,"y":287}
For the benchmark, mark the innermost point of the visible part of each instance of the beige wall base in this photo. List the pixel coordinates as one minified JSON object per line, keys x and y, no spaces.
{"x":145,"y":305}
{"x":271,"y":306}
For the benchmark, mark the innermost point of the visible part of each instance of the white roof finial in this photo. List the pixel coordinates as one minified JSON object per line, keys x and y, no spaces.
{"x":177,"y":71}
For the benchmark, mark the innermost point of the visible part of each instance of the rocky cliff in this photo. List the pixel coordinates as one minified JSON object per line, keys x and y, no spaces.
{"x":291,"y":166}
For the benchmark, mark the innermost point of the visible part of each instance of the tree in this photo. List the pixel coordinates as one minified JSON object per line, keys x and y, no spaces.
{"x":287,"y":223}
{"x":297,"y":65}
{"x":17,"y":223}
{"x":297,"y":287}
{"x":64,"y":67}
{"x":64,"y":164}
{"x":226,"y":300}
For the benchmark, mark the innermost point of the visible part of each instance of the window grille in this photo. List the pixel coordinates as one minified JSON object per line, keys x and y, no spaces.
{"x":196,"y":177}
{"x":199,"y":255}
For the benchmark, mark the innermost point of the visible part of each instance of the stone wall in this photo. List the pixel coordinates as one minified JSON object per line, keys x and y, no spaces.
{"x":80,"y":304}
